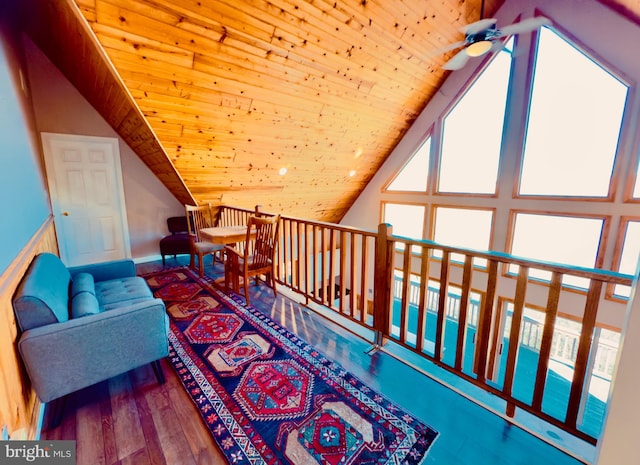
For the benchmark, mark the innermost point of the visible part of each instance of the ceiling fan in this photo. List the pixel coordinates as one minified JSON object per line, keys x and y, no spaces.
{"x":483,"y":36}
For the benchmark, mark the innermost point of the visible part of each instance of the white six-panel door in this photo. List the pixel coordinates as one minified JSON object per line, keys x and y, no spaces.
{"x":87,"y":197}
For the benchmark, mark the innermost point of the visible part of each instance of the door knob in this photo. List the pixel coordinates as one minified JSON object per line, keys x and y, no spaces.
{"x":65,"y":213}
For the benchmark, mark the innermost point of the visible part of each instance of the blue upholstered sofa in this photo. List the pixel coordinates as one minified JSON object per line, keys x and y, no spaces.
{"x":86,"y":324}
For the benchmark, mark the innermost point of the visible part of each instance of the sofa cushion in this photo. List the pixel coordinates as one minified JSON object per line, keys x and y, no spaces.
{"x":82,"y":282}
{"x":130,"y":289}
{"x":84,"y":304}
{"x":43,"y":295}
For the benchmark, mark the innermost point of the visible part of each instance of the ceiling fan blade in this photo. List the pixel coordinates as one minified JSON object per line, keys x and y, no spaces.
{"x":449,"y":47}
{"x":525,"y":25}
{"x":458,"y":61}
{"x":478,"y":26}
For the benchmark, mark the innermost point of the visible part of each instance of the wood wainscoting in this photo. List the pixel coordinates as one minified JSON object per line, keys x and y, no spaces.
{"x":19,"y":406}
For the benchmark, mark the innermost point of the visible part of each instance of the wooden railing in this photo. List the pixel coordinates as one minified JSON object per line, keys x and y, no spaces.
{"x":328,"y":264}
{"x":565,"y":342}
{"x":382,"y":282}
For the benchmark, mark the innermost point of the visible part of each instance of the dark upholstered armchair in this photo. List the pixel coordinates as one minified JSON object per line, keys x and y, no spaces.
{"x":176,"y":243}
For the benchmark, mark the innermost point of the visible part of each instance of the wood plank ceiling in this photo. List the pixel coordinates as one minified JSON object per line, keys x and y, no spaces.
{"x":216,"y":96}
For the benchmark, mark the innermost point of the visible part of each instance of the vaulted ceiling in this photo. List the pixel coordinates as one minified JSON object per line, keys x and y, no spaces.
{"x":217,"y":96}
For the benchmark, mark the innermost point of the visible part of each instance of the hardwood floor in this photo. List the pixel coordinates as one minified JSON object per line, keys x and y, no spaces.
{"x":132,"y":420}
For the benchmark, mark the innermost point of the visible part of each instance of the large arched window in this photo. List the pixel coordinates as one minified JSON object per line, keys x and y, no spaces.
{"x":538,"y":146}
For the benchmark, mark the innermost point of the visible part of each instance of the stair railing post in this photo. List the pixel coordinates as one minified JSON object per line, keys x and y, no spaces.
{"x":383,"y":269}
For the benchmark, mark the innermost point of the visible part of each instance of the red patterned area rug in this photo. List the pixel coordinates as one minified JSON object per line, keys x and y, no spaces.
{"x":270,"y":398}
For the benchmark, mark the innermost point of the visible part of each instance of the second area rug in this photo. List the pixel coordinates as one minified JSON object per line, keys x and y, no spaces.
{"x":268,"y":397}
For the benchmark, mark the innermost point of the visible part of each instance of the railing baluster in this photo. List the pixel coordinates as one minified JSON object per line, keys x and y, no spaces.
{"x":514,"y":335}
{"x":316,"y":263}
{"x":332,"y":268}
{"x":342,"y":269}
{"x":286,"y":245}
{"x":286,"y":252}
{"x":404,"y":303}
{"x":547,"y":340}
{"x":422,"y":299}
{"x":322,"y":289}
{"x":295,"y":257}
{"x":364,"y":281}
{"x":584,"y":348}
{"x":352,"y":271}
{"x":299,"y":253}
{"x":442,"y":304}
{"x":462,"y":317}
{"x":278,"y":254}
{"x":307,"y":260}
{"x":288,"y":257}
{"x":485,"y":322}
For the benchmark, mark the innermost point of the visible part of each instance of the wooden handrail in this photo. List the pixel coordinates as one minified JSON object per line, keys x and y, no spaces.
{"x":351,"y":272}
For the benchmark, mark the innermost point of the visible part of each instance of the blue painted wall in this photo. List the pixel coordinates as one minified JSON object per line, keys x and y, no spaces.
{"x":24,"y":204}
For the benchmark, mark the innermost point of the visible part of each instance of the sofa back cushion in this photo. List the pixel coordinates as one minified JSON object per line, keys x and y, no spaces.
{"x":82,"y":282}
{"x":42,"y":297}
{"x":84,"y":304}
{"x":83,"y":296}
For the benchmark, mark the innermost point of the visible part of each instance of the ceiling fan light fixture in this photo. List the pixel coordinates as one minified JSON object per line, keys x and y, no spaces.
{"x":479,"y":48}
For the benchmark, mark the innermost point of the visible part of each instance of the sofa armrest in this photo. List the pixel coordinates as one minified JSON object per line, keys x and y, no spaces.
{"x":64,"y":357}
{"x":107,"y":270}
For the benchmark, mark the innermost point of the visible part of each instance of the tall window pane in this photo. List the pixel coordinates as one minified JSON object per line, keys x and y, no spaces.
{"x":466,"y":228}
{"x":407,"y":220}
{"x":636,"y":187}
{"x":472,"y":133}
{"x":413,"y":176}
{"x":565,"y":240}
{"x":574,"y":122}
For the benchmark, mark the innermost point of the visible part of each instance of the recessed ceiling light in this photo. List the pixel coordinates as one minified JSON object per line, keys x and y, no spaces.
{"x":352,"y":173}
{"x":358,"y":152}
{"x":282,"y":171}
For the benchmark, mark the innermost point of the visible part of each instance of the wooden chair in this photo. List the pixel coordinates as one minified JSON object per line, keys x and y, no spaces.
{"x":257,"y":257}
{"x":199,"y":217}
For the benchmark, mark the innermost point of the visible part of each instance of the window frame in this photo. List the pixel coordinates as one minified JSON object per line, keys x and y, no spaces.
{"x":617,"y":255}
